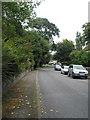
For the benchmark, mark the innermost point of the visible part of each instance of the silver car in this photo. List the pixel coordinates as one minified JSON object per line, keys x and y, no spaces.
{"x":77,"y":71}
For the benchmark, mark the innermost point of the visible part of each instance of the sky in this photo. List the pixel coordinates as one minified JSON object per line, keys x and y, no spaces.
{"x":67,"y":15}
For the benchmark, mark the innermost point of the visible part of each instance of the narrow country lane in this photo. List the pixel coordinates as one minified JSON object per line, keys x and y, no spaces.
{"x":60,"y":96}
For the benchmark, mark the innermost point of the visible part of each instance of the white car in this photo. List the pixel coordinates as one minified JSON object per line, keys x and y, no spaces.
{"x":77,"y":71}
{"x":64,"y":70}
{"x":57,"y":67}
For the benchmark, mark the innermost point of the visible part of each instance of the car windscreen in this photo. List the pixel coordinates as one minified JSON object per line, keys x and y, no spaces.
{"x":58,"y":66}
{"x":79,"y":67}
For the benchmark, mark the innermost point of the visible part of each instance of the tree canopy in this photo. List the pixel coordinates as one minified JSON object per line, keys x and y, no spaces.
{"x":63,"y":51}
{"x":86,"y":33}
{"x":46,"y":28}
{"x":24,"y":45}
{"x":79,"y":57}
{"x":79,"y":42}
{"x":84,"y":38}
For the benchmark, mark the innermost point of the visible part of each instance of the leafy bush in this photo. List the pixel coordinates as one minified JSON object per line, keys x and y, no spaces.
{"x":79,"y":57}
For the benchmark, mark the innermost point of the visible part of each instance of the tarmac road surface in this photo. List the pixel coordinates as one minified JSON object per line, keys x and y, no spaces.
{"x":60,"y":96}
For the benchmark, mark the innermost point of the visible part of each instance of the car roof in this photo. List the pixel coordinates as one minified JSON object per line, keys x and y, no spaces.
{"x":74,"y":64}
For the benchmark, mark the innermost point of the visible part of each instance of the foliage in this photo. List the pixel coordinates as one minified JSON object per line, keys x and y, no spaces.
{"x":86,"y":33}
{"x":79,"y":57}
{"x":40,"y":48}
{"x":16,"y":57}
{"x":45,"y":28}
{"x":64,"y":49}
{"x":16,"y":52}
{"x":89,"y":58}
{"x":84,"y":38}
{"x":16,"y":14}
{"x":53,"y":46}
{"x":78,"y":41}
{"x":23,"y":46}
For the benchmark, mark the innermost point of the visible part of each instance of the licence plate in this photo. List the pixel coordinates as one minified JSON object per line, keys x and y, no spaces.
{"x":82,"y":74}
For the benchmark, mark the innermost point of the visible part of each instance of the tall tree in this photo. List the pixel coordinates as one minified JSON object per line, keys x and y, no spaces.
{"x":86,"y":33}
{"x":17,"y":14}
{"x":82,"y":40}
{"x":40,"y":48}
{"x":16,"y":52}
{"x":46,"y":28}
{"x":78,"y":41}
{"x":64,"y":49}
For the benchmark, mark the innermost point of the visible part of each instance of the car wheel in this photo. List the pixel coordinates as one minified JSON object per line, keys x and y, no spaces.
{"x":86,"y":77}
{"x":64,"y":73}
{"x":73,"y":76}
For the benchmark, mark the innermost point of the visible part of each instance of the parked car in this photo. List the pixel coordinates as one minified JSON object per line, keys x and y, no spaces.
{"x":57,"y":67}
{"x":64,"y":70}
{"x":77,"y":71}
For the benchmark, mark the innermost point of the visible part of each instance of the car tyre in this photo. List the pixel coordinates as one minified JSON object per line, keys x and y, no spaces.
{"x":86,"y":77}
{"x":73,"y":76}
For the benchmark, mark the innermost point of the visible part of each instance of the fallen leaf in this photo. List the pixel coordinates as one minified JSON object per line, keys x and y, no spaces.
{"x":12,"y":113}
{"x":27,"y":103}
{"x":57,"y":111}
{"x":14,"y":107}
{"x":29,"y":114}
{"x":51,"y":110}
